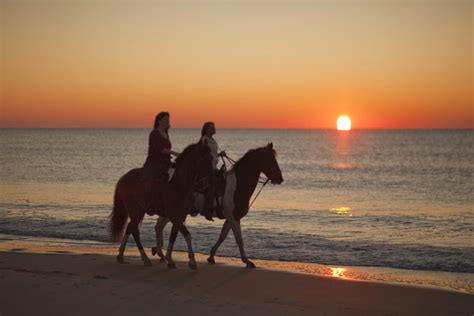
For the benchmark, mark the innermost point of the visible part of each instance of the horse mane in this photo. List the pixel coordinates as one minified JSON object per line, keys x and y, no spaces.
{"x":245,"y":160}
{"x":184,"y":154}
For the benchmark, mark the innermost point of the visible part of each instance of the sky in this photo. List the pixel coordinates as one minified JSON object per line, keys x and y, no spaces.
{"x":246,"y":64}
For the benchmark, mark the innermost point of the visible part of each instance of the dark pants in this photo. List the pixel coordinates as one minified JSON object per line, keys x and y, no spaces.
{"x":209,"y":196}
{"x":159,"y":175}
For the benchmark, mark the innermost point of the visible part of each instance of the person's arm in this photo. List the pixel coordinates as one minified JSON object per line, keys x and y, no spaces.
{"x":167,"y":151}
{"x":175,"y":153}
{"x":158,"y":145}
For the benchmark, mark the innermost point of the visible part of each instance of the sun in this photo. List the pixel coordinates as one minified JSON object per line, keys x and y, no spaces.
{"x":343,"y":123}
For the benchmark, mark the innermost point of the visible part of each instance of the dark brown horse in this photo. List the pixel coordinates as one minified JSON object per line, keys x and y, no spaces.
{"x":241,"y":182}
{"x":177,"y":196}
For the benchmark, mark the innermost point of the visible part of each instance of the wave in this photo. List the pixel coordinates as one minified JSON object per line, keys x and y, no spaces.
{"x":264,"y":243}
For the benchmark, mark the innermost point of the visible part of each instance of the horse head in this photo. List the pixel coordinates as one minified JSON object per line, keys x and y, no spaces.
{"x":270,"y":167}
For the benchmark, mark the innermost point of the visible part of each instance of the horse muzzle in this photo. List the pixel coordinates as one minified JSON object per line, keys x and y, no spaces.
{"x":278,"y":179}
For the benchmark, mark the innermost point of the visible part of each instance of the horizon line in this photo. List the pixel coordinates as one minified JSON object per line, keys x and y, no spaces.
{"x":261,"y":128}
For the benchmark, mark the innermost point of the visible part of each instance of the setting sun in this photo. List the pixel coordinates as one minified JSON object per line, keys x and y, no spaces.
{"x":343,"y":123}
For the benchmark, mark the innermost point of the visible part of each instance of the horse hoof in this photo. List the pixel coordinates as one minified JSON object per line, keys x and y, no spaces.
{"x":147,"y":262}
{"x":211,"y":260}
{"x":120,"y":259}
{"x":251,"y":265}
{"x":162,"y":259}
{"x":193,"y":265}
{"x":171,"y":265}
{"x":153,"y":251}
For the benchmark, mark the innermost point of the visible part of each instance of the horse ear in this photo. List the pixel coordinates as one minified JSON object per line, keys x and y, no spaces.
{"x":270,"y":146}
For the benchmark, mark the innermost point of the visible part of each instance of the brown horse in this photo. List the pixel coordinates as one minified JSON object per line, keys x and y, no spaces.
{"x":193,"y":165}
{"x":241,"y":182}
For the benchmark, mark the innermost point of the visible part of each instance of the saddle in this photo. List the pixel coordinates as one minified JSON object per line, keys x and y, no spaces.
{"x":219,"y":191}
{"x":220,"y":184}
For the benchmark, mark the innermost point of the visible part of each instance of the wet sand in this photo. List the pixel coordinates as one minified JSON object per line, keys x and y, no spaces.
{"x":54,"y":279}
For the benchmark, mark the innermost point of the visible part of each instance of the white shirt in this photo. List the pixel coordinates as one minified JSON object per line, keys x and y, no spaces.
{"x":213,"y":147}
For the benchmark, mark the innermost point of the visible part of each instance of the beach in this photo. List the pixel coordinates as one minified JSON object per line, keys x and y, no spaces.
{"x":55,"y":279}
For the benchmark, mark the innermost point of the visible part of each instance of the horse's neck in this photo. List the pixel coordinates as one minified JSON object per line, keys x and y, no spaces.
{"x":182,"y":181}
{"x":247,"y":180}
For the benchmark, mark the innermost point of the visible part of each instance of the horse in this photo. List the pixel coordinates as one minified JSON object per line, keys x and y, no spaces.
{"x":241,"y":182}
{"x":192,"y":166}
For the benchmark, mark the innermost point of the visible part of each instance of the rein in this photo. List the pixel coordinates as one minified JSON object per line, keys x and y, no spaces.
{"x":261,"y":188}
{"x":232,"y":161}
{"x":263,"y":180}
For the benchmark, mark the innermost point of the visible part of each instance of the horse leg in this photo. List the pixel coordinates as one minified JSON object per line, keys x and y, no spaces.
{"x":187,"y":236}
{"x":240,"y":242}
{"x":169,"y":251}
{"x":224,"y":232}
{"x":123,"y":244}
{"x":159,"y":227}
{"x":129,"y":231}
{"x":136,"y":236}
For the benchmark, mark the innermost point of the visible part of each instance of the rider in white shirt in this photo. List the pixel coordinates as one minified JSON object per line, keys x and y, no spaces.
{"x":207,"y":132}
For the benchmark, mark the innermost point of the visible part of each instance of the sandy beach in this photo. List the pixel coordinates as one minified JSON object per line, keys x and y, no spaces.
{"x":76,"y":280}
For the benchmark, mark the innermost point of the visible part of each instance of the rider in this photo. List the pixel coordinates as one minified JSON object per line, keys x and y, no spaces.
{"x":158,"y":160}
{"x":207,"y":132}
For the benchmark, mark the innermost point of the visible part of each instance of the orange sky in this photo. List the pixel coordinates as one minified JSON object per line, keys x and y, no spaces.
{"x":285,"y":64}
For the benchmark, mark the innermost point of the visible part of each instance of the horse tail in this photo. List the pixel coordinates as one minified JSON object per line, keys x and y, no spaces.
{"x":118,"y":218}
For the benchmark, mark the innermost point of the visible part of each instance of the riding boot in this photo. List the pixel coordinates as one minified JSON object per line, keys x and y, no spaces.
{"x":208,"y":208}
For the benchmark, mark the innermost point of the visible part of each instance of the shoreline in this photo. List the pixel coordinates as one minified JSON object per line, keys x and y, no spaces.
{"x":448,"y":281}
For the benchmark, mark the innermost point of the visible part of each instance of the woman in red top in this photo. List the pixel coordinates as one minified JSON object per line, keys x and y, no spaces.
{"x":158,"y":160}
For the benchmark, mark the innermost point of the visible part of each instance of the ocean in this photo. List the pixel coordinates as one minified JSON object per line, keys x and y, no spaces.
{"x":376,"y":198}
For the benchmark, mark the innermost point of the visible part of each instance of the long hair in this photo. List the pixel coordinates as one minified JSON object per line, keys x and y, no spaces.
{"x":205,"y":127}
{"x":158,"y":118}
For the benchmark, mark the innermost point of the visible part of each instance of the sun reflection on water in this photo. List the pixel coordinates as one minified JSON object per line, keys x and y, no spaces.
{"x":342,"y":166}
{"x":338,"y":272}
{"x":341,"y":210}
